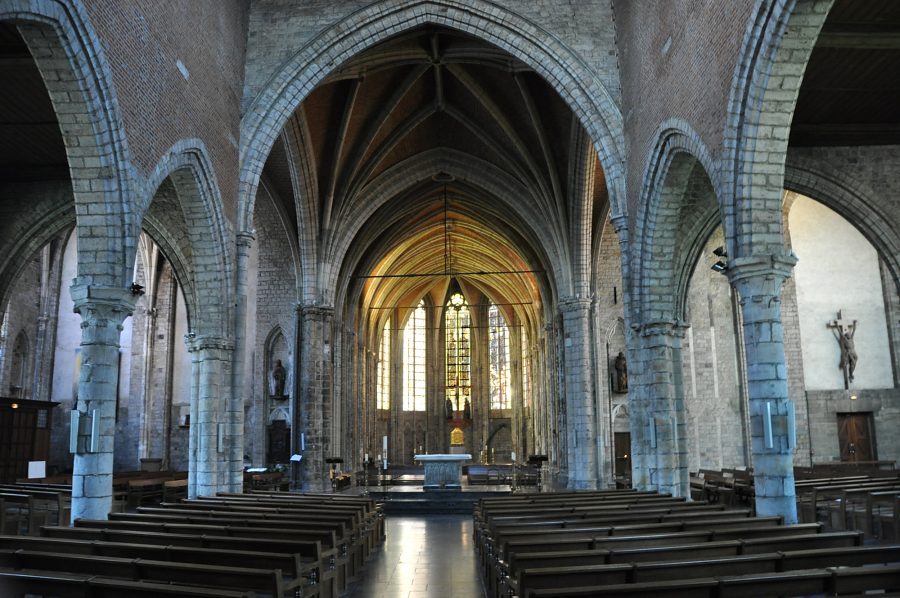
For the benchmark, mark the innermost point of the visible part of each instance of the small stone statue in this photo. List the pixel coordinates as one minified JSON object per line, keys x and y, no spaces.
{"x":621,"y":372}
{"x":279,"y":375}
{"x":448,"y":407}
{"x":467,"y":410}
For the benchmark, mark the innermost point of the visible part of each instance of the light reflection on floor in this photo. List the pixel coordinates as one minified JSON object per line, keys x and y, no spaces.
{"x":428,"y":556}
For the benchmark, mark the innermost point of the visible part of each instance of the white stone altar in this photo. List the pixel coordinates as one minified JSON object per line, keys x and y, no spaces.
{"x":443,"y":472}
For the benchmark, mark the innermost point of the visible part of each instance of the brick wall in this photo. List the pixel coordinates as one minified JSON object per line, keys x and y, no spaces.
{"x":145,"y":42}
{"x":677,"y":59}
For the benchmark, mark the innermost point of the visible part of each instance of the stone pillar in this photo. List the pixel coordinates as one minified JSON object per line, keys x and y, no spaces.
{"x":235,"y":472}
{"x":581,"y":417}
{"x":659,"y":457}
{"x":313,"y":403}
{"x":212,"y":430}
{"x":759,"y":280}
{"x":102,"y":310}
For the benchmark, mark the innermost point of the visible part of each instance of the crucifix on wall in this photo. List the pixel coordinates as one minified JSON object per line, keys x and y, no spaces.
{"x":844,"y":329}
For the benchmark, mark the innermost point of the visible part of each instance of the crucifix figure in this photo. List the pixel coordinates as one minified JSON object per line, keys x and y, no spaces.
{"x":844,"y":331}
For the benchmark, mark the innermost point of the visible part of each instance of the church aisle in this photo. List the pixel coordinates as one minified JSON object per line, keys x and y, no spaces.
{"x":428,"y":556}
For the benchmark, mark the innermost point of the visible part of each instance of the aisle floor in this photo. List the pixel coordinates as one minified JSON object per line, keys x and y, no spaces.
{"x":428,"y":556}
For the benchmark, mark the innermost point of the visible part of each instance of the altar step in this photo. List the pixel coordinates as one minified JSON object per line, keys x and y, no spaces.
{"x":432,"y":502}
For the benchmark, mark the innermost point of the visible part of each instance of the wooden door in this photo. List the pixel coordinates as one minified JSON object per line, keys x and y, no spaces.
{"x":856,"y":435}
{"x":623,"y":454}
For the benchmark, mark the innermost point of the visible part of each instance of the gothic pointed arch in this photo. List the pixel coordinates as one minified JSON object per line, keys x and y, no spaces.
{"x":183,"y":212}
{"x":776,"y":49}
{"x":566,"y":72}
{"x":74,"y":68}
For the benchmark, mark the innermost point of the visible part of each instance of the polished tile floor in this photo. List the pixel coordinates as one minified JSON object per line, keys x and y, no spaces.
{"x":427,"y":556}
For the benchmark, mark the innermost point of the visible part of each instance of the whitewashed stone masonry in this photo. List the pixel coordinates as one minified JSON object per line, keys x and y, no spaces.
{"x":102,"y":311}
{"x":759,"y":281}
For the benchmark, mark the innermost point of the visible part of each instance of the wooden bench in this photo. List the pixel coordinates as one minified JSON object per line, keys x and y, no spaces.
{"x":292,"y":565}
{"x":313,"y":557}
{"x":62,"y":585}
{"x":174,"y":490}
{"x":267,"y":581}
{"x":691,"y":566}
{"x":875,"y":503}
{"x":366,"y":530}
{"x":791,"y":583}
{"x":498,"y":569}
{"x":331,"y":534}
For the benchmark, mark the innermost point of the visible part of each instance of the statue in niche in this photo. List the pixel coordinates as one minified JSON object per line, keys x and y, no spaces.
{"x":279,"y":375}
{"x":467,"y":410}
{"x":621,"y":372}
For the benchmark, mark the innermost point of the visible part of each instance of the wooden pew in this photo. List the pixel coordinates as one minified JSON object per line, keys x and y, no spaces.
{"x":330,"y":533}
{"x":62,"y":585}
{"x":174,"y":490}
{"x":328,"y":538}
{"x":499,"y":569}
{"x":803,"y":582}
{"x":292,"y":565}
{"x":313,"y":557}
{"x":690,"y":566}
{"x":875,"y":501}
{"x":365,"y":530}
{"x":371,"y":514}
{"x":267,"y":581}
{"x":715,"y":548}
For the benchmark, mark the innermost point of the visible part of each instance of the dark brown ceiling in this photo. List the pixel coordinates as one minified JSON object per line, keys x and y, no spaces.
{"x":440,"y":91}
{"x":850,"y":93}
{"x":32,"y":147}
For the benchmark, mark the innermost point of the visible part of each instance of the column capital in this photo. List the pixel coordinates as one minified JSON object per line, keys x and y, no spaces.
{"x":619,"y":223}
{"x":207,"y":342}
{"x":675,"y":328}
{"x":102,"y":311}
{"x":312,"y":310}
{"x":117,"y":300}
{"x":761,"y":269}
{"x":245,"y":239}
{"x":574,"y":304}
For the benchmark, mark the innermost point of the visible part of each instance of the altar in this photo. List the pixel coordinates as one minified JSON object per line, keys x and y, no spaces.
{"x":443,"y":472}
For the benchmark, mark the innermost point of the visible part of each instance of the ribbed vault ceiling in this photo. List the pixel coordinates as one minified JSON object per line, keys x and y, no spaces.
{"x":441,"y":93}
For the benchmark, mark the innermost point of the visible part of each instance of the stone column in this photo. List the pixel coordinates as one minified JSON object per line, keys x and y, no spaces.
{"x":235,"y":471}
{"x":313,"y":403}
{"x":102,"y":310}
{"x":759,"y":280}
{"x":659,"y":456}
{"x":581,"y":417}
{"x":212,"y":430}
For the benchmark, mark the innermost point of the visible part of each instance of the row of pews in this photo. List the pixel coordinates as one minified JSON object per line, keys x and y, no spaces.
{"x":28,"y":504}
{"x":842,"y":496}
{"x":258,"y":544}
{"x":866,"y":502}
{"x":637,"y":543}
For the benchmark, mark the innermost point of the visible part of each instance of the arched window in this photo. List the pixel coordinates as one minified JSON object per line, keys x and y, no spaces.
{"x":457,"y":322}
{"x":414,"y":360}
{"x":526,"y":374}
{"x":499,"y":347}
{"x":383,"y":396}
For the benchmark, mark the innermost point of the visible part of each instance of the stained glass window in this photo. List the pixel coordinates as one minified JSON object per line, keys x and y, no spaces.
{"x":414,"y":361}
{"x":457,"y":324}
{"x":383,"y":398}
{"x":499,"y":348}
